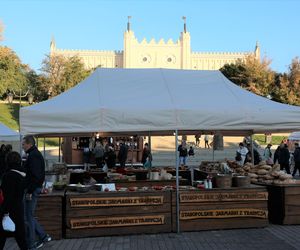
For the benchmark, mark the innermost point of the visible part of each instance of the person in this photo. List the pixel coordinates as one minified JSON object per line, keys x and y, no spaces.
{"x":284,"y":158}
{"x":35,"y":176}
{"x":197,"y":139}
{"x":296,"y":159}
{"x":122,"y":156}
{"x":241,"y":154}
{"x":276,"y":154}
{"x":99,"y":154}
{"x":257,"y":157}
{"x":268,"y":154}
{"x":2,"y":160}
{"x":110,"y":157}
{"x":146,"y":154}
{"x":206,"y":140}
{"x":191,"y":151}
{"x":13,"y":184}
{"x":183,"y":153}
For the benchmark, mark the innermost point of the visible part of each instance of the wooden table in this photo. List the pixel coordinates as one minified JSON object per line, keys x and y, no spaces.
{"x":149,"y":183}
{"x":49,"y":213}
{"x":213,"y":209}
{"x":117,"y":213}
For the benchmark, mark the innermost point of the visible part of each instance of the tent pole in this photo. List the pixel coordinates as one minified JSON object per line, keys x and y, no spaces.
{"x":177,"y":181}
{"x":59,"y":143}
{"x":149,"y":140}
{"x":44,"y":148}
{"x":252,"y":150}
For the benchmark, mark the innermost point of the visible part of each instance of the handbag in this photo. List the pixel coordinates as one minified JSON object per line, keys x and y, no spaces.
{"x":1,"y":197}
{"x":8,"y":224}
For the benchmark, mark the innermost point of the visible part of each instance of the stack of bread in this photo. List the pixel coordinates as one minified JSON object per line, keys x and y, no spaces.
{"x":263,"y":173}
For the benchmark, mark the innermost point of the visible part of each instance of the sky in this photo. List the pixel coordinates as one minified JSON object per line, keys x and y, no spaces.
{"x":215,"y":25}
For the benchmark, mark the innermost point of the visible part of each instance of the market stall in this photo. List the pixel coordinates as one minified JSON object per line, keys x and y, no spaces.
{"x":9,"y":136}
{"x":158,"y":101}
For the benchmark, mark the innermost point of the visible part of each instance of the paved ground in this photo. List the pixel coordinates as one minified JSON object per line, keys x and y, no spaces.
{"x":273,"y":237}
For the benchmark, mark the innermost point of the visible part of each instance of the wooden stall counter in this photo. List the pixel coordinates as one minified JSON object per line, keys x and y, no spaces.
{"x":284,"y":204}
{"x":117,"y":213}
{"x":49,"y":213}
{"x":212,"y":209}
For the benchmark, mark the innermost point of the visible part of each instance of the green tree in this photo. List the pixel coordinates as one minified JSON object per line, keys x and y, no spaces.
{"x":251,"y":74}
{"x":63,"y":73}
{"x":38,"y":85}
{"x":12,"y":72}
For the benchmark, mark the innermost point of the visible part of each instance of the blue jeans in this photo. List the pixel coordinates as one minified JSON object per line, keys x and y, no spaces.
{"x":182,"y":160}
{"x":33,"y":227}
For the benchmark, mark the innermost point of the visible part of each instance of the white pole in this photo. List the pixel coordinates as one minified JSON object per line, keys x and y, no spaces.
{"x":252,"y":150}
{"x":177,"y":181}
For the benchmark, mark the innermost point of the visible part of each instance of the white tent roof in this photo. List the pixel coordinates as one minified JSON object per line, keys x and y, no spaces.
{"x":7,"y":134}
{"x":132,"y":100}
{"x":295,"y":136}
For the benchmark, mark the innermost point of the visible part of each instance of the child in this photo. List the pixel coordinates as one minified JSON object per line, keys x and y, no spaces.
{"x":191,"y":151}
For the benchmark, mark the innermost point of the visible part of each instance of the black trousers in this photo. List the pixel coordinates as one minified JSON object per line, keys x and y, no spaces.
{"x":99,"y":162}
{"x":19,"y":234}
{"x":297,"y":167}
{"x":285,"y":166}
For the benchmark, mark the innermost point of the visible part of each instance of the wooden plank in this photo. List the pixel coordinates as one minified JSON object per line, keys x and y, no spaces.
{"x":292,"y":190}
{"x":291,"y":220}
{"x":122,"y":230}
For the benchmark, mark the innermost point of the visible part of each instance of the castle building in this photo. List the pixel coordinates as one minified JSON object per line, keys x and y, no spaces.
{"x":152,"y":54}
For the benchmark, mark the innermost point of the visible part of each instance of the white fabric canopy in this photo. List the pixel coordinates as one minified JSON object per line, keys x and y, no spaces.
{"x":295,"y":136}
{"x":7,"y":134}
{"x":128,"y":100}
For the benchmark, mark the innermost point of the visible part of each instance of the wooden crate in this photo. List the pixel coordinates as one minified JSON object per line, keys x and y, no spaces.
{"x":117,"y":213}
{"x":221,"y":209}
{"x":284,"y":204}
{"x":49,"y":213}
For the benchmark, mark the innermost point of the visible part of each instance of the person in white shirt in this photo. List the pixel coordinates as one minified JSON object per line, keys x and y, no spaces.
{"x":241,"y":154}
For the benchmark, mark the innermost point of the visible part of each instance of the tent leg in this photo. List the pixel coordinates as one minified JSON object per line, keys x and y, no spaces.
{"x":44,"y":148}
{"x":177,"y":182}
{"x":252,"y":150}
{"x":59,"y":144}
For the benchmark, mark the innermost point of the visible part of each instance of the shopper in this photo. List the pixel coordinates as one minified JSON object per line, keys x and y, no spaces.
{"x":122,"y":156}
{"x":268,"y":154}
{"x":35,"y":176}
{"x":183,"y":153}
{"x":206,"y":141}
{"x":13,"y":184}
{"x":284,"y":158}
{"x":99,"y":154}
{"x":146,"y":154}
{"x":296,"y":159}
{"x":241,"y":154}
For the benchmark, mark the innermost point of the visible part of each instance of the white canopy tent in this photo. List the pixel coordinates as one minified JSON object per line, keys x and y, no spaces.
{"x":295,"y":136}
{"x":161,"y":100}
{"x":7,"y":134}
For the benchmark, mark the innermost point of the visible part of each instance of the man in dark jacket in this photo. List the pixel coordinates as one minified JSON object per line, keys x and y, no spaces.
{"x":296,"y":159}
{"x":122,"y":156}
{"x":35,"y":176}
{"x":284,"y":158}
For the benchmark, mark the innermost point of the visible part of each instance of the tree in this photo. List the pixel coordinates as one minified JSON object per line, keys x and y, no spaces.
{"x":12,"y":72}
{"x":251,"y":74}
{"x":38,"y":85}
{"x":286,"y":88}
{"x":63,"y":73}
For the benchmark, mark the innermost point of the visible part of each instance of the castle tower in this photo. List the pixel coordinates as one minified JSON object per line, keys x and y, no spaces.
{"x":185,"y":40}
{"x":128,"y":42}
{"x":257,"y":51}
{"x":52,"y":45}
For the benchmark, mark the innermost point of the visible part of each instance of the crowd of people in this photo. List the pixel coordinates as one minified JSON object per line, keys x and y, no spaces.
{"x":21,"y":184}
{"x":282,"y":156}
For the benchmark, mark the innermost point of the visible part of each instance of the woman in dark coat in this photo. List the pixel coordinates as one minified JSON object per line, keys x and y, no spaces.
{"x":13,"y":184}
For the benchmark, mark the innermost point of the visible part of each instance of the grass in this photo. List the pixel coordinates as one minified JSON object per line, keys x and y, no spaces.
{"x":276,"y":139}
{"x":9,"y":116}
